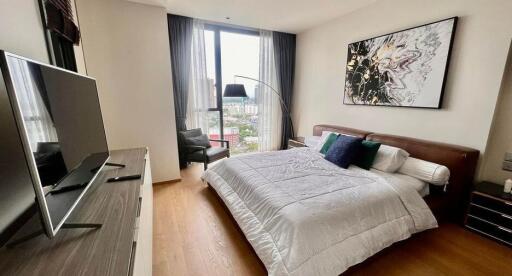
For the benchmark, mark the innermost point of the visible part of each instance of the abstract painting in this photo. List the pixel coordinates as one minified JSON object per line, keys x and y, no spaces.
{"x":406,"y":68}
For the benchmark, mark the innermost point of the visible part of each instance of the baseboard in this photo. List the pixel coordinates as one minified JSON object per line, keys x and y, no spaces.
{"x":167,"y":182}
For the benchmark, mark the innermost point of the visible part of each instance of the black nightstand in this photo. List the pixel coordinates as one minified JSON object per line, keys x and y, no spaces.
{"x":296,"y":142}
{"x":490,"y":212}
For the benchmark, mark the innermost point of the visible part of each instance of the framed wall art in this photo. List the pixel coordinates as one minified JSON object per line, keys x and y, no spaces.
{"x":407,"y":68}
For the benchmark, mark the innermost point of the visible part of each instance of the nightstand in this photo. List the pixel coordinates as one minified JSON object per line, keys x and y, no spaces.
{"x":490,"y":212}
{"x":296,"y":142}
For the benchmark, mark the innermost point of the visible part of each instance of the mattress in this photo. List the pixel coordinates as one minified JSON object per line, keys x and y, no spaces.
{"x":305,"y":216}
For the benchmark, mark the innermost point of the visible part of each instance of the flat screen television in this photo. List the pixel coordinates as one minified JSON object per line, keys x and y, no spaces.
{"x":57,"y":116}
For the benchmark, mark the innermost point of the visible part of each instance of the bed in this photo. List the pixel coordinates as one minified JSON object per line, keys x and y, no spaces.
{"x":305,"y":216}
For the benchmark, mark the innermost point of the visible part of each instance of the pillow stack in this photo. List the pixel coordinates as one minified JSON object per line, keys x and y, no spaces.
{"x":348,"y":150}
{"x":344,"y":150}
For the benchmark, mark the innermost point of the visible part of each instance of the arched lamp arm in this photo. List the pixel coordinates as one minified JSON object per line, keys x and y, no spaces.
{"x":283,"y":106}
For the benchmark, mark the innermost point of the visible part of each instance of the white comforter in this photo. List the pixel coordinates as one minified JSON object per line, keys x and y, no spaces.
{"x":305,"y":216}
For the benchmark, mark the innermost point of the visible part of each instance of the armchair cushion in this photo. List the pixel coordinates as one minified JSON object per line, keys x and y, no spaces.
{"x":190,"y":133}
{"x":201,"y":140}
{"x":192,"y":137}
{"x":212,"y":154}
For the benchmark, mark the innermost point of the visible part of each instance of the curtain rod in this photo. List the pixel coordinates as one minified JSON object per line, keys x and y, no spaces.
{"x":228,"y":25}
{"x":223,"y":24}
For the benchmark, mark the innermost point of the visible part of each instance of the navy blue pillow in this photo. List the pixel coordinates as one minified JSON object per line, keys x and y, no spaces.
{"x":344,"y":150}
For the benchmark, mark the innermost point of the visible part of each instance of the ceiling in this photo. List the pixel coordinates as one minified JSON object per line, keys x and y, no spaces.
{"x":291,"y":16}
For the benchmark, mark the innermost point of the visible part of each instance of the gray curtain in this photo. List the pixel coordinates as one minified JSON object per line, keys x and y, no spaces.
{"x":284,"y":52}
{"x":180,"y":39}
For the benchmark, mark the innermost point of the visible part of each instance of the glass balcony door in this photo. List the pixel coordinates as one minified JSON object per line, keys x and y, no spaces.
{"x":231,"y":52}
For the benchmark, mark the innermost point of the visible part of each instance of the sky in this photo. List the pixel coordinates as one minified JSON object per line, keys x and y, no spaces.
{"x":239,"y":56}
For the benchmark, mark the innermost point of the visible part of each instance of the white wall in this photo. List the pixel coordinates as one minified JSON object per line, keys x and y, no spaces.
{"x":22,"y":32}
{"x":126,"y":48}
{"x":479,"y":54}
{"x":500,"y":140}
{"x":21,"y":29}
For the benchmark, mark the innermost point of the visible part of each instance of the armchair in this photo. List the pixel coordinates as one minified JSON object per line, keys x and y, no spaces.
{"x":196,"y":147}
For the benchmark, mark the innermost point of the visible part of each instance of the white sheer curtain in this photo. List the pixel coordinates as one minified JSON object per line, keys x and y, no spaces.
{"x":36,"y":117}
{"x":269,"y":109}
{"x":197,"y":109}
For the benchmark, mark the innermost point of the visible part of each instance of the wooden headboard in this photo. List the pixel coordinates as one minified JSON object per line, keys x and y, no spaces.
{"x":461,"y":161}
{"x":317,"y":130}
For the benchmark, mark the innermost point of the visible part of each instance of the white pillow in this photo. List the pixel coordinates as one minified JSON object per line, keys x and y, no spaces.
{"x":427,"y":171}
{"x":389,"y":159}
{"x":312,"y":141}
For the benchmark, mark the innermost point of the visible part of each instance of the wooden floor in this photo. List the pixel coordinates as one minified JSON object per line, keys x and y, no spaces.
{"x":193,"y":235}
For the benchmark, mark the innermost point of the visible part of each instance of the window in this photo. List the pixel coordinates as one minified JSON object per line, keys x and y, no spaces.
{"x":61,"y":32}
{"x":231,"y":52}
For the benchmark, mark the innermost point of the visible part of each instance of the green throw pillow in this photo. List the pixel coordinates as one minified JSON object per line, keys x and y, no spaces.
{"x":367,"y":154}
{"x":328,"y":142}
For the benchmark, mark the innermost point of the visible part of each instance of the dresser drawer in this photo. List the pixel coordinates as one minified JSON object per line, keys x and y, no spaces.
{"x":496,"y":205}
{"x":490,"y":216}
{"x":498,"y":232}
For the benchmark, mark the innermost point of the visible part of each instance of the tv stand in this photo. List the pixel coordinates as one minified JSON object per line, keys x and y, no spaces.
{"x":39,"y":232}
{"x":123,"y":244}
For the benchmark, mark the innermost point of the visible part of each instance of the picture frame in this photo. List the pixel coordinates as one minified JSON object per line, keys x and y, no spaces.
{"x":406,"y":68}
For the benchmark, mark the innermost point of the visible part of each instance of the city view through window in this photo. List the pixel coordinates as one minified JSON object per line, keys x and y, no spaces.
{"x":239,"y":55}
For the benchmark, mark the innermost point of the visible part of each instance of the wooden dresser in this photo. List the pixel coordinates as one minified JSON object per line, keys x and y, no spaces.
{"x":490,"y":212}
{"x":122,"y":246}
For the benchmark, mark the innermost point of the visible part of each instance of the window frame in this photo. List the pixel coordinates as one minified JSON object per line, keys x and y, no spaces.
{"x":55,"y":46}
{"x":217,"y":29}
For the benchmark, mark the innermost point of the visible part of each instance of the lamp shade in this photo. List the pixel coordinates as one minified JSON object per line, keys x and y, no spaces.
{"x":235,"y":90}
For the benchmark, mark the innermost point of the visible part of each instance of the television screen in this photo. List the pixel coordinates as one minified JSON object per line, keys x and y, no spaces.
{"x":61,"y":127}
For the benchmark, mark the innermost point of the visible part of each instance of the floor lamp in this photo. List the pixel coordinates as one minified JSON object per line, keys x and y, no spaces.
{"x":238,"y":91}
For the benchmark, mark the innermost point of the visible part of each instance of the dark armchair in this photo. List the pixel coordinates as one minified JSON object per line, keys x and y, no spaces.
{"x":196,"y":147}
